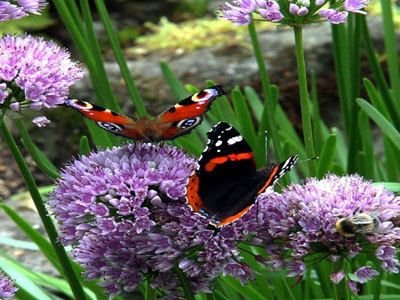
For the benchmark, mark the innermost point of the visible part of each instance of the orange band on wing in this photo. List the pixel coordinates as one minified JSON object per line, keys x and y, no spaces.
{"x":232,"y":218}
{"x":192,"y":195}
{"x":210,"y":166}
{"x":271,"y":176}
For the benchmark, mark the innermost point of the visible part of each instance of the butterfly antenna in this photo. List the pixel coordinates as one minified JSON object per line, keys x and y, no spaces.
{"x":308,"y":159}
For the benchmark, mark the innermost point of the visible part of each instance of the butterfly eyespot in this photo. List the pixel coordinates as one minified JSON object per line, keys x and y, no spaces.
{"x":188,"y":123}
{"x":110,"y":126}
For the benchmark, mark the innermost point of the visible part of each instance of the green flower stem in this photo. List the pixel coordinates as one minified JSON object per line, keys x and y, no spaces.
{"x":47,"y":222}
{"x":28,"y":143}
{"x":137,"y":100}
{"x":341,"y":290}
{"x":100,"y":82}
{"x":150,"y":292}
{"x":304,"y":100}
{"x":268,"y":114}
{"x":391,"y":47}
{"x":184,"y":282}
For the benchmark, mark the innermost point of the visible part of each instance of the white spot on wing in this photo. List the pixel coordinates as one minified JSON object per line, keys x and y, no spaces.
{"x":235,"y":139}
{"x":218,"y":143}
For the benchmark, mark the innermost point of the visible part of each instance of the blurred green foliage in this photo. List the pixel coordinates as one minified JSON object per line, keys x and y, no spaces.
{"x":198,"y":8}
{"x":192,"y":35}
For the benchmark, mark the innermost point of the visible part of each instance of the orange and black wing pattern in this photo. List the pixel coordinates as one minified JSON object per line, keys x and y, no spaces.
{"x":226,"y":184}
{"x":178,"y":120}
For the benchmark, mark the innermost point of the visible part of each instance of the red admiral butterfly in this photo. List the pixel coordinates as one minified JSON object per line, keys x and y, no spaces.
{"x":178,"y":120}
{"x":227,"y":183}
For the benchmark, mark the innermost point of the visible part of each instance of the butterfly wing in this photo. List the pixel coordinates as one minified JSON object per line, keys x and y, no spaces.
{"x":181,"y":118}
{"x":107,"y":119}
{"x":178,"y":120}
{"x":226,"y":184}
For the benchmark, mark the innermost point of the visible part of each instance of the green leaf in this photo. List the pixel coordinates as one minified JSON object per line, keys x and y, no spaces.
{"x":387,"y":128}
{"x":16,"y":273}
{"x":367,"y":144}
{"x":43,"y":244}
{"x":174,"y":83}
{"x":254,"y":102}
{"x":341,"y":153}
{"x":248,"y":292}
{"x":40,"y":159}
{"x":18,"y":243}
{"x":119,"y":56}
{"x":327,"y":155}
{"x":391,"y":186}
{"x":84,"y":147}
{"x":244,"y":117}
{"x":223,"y":109}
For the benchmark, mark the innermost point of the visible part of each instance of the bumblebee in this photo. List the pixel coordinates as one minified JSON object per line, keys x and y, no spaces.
{"x":362,"y":223}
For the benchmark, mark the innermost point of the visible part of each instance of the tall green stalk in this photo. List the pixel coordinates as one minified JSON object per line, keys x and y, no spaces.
{"x":46,"y":220}
{"x":268,"y":114}
{"x":130,"y":84}
{"x":391,"y":47}
{"x":341,"y":290}
{"x":184,"y":283}
{"x":304,"y":99}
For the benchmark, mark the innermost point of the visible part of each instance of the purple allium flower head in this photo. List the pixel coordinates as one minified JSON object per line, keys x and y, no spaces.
{"x":300,"y":223}
{"x":365,"y":273}
{"x":41,"y":69}
{"x":7,"y":288}
{"x":334,"y":16}
{"x":355,"y":6}
{"x":41,"y":121}
{"x":125,"y":213}
{"x":9,"y":10}
{"x":240,"y":13}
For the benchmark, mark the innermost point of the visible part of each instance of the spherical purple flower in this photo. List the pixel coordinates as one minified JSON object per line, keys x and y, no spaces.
{"x":7,"y":288}
{"x":9,"y":10}
{"x":41,"y":121}
{"x":125,"y":213}
{"x":40,"y":69}
{"x":240,"y":13}
{"x":301,"y":222}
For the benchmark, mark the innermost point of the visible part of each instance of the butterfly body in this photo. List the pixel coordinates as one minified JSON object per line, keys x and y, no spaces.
{"x":178,"y":120}
{"x":227,"y":183}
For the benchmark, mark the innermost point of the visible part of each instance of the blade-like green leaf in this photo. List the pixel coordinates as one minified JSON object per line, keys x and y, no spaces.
{"x":16,"y":273}
{"x":174,"y":83}
{"x":247,"y":291}
{"x":40,"y":159}
{"x":327,"y":155}
{"x":391,"y":186}
{"x":18,"y":243}
{"x":244,"y":118}
{"x":386,"y":127}
{"x":84,"y":147}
